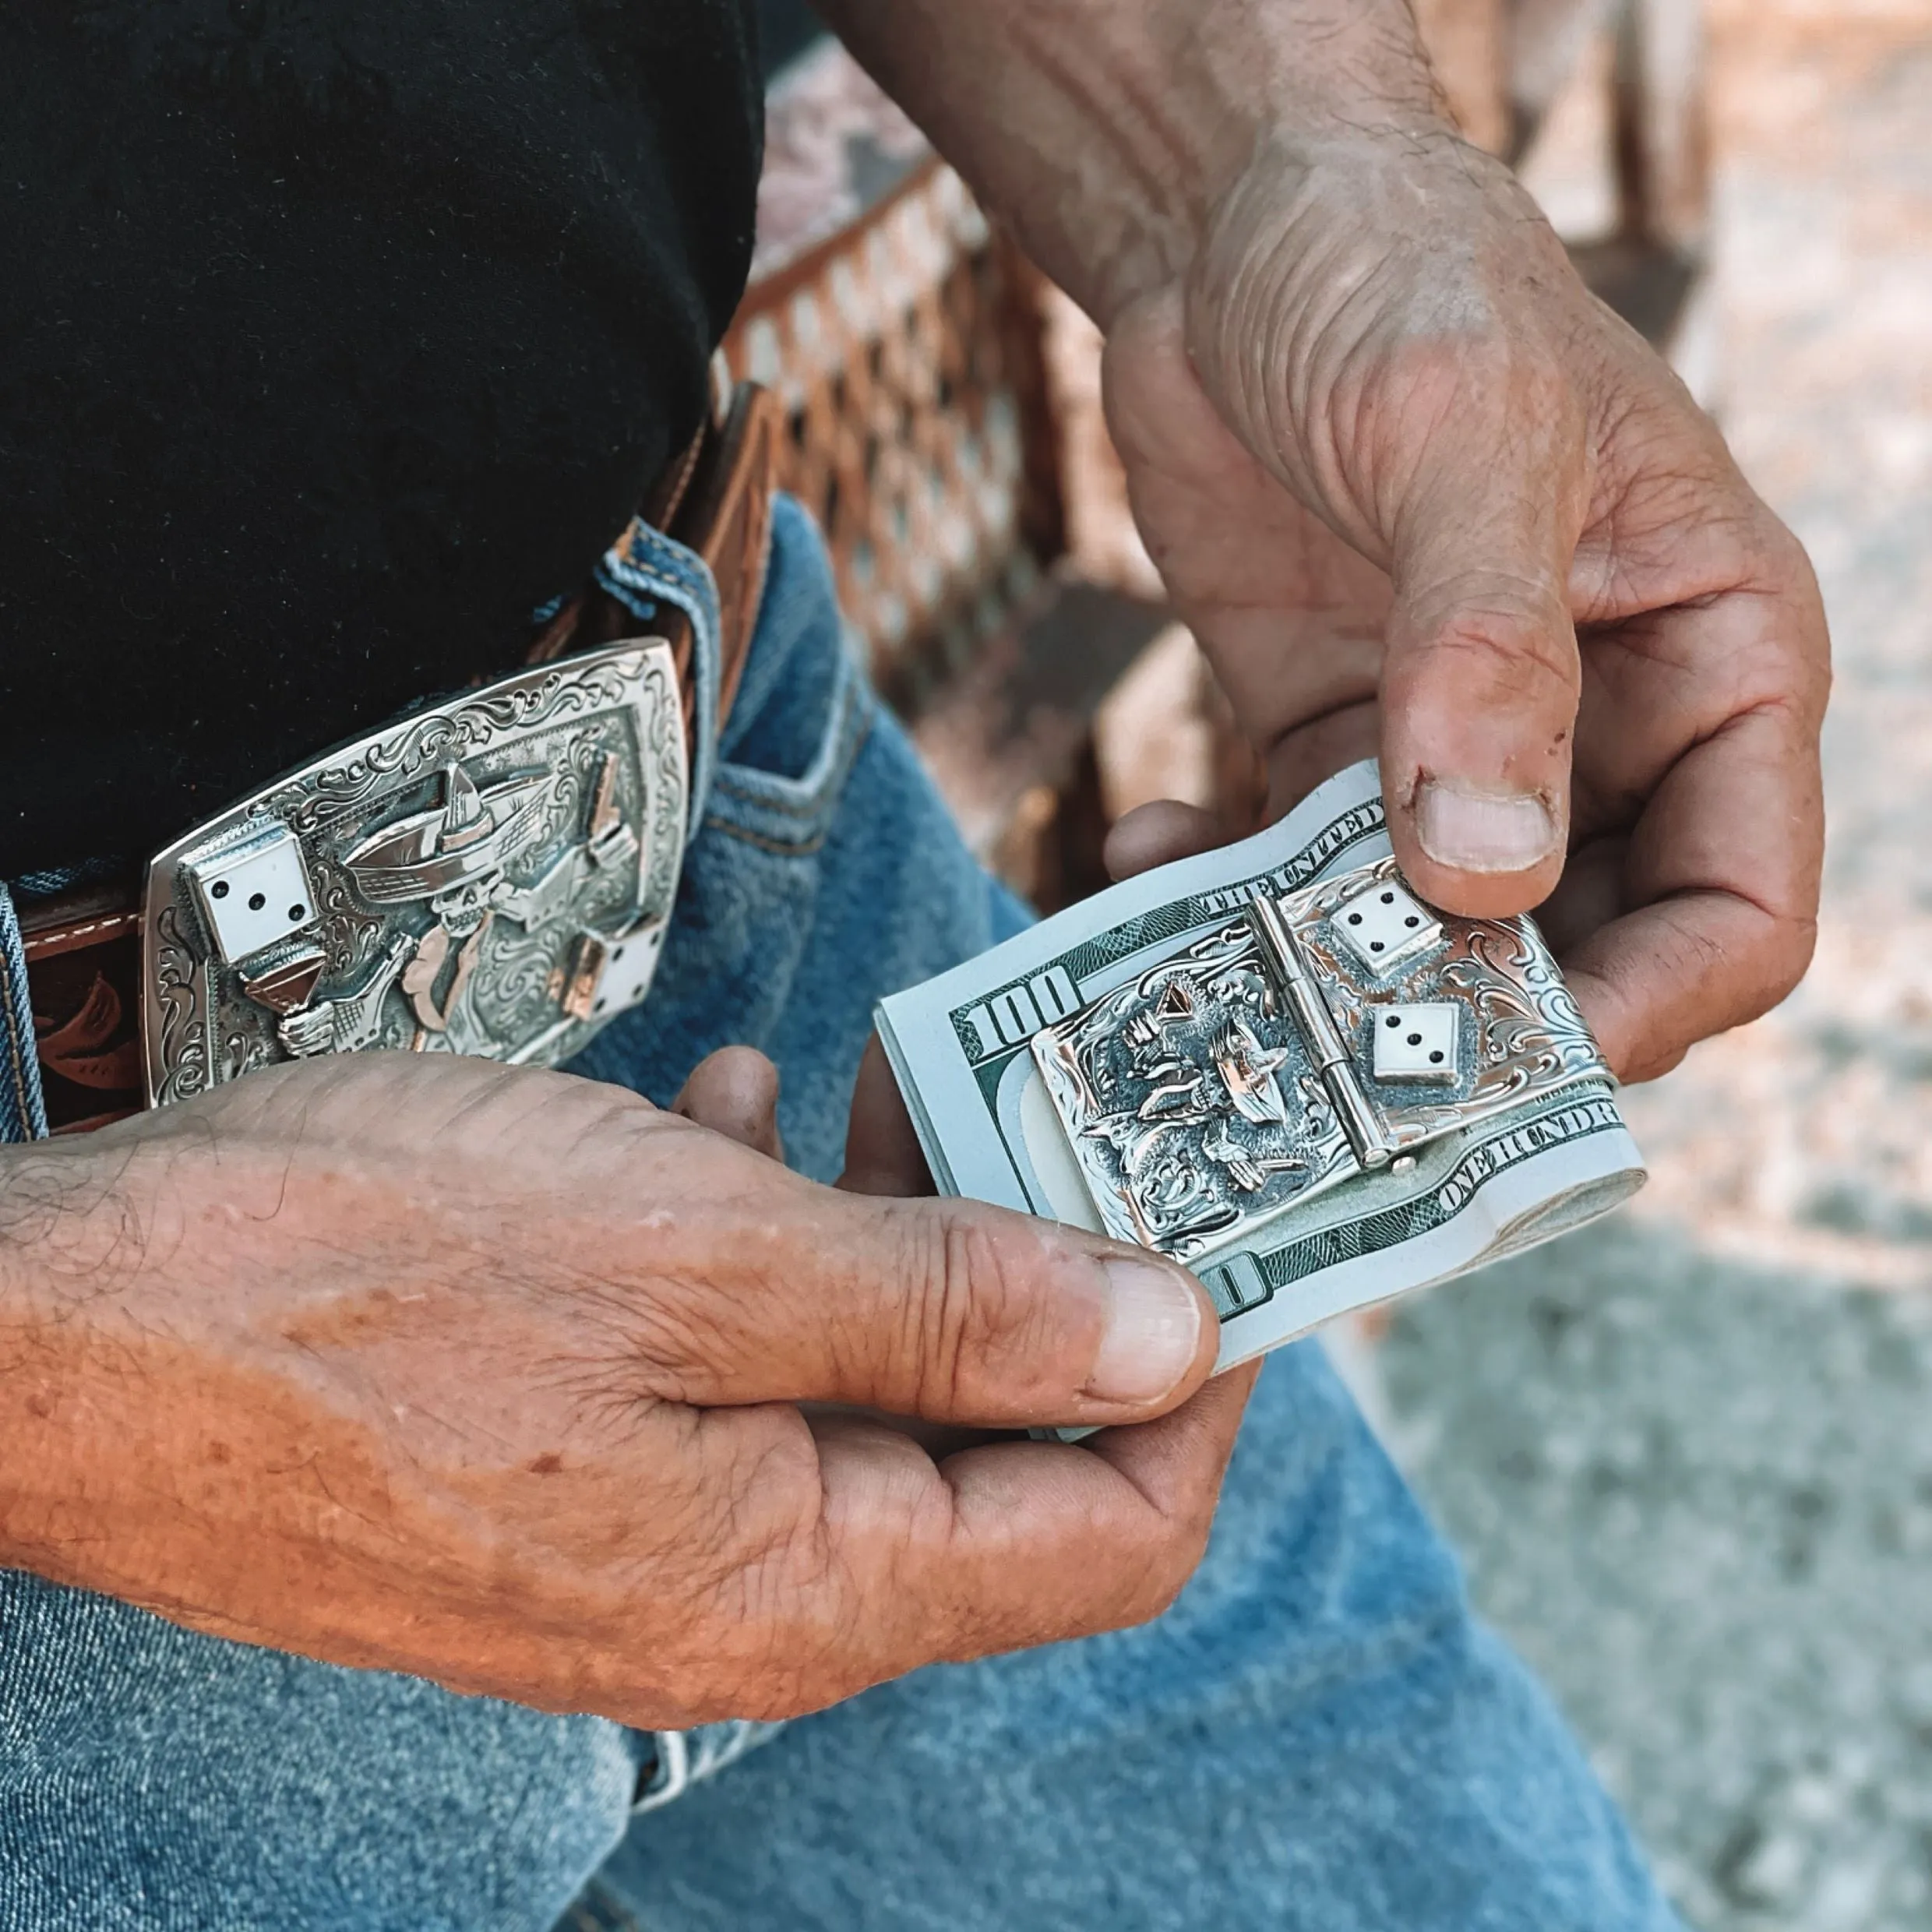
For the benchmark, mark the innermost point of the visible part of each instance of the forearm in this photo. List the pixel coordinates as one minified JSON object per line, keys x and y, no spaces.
{"x":151,"y":1448}
{"x":189,"y":1334}
{"x":61,"y":1270}
{"x":1104,"y":131}
{"x":99,"y":1433}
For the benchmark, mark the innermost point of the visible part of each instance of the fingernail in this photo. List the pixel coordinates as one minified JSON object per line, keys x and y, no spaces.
{"x":1153,"y":1329}
{"x":1483,"y":831}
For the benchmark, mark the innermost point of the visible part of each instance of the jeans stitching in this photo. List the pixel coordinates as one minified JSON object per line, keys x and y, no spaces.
{"x":674,"y":1771}
{"x":657,"y":567}
{"x":780,"y":847}
{"x":27,"y":1112}
{"x":800,"y":847}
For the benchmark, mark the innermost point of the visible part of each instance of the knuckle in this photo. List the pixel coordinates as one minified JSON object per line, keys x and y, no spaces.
{"x":970,"y":1304}
{"x":1441,"y":382}
{"x":1787,"y":957}
{"x":1505,"y":633}
{"x":776,"y":1661}
{"x":1783,"y":558}
{"x":1729,"y":977}
{"x":777,"y":1645}
{"x":1155,"y":1555}
{"x":1174,"y":1556}
{"x":1704,"y":958}
{"x":752,"y":1532}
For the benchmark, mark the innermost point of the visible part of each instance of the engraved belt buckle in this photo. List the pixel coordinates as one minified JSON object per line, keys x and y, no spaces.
{"x":491,"y":875}
{"x":1318,"y":1036}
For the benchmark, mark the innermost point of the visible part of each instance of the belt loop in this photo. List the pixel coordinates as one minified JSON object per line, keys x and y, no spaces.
{"x":643,"y":567}
{"x":23,"y":1108}
{"x":669,"y":1774}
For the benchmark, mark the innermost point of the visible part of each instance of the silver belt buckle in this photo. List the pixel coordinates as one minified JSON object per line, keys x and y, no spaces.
{"x":1318,"y":1035}
{"x":491,"y":875}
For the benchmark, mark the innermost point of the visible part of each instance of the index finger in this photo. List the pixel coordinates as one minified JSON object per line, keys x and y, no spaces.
{"x":1722,"y":878}
{"x":1016,"y":1544}
{"x":883,"y":1154}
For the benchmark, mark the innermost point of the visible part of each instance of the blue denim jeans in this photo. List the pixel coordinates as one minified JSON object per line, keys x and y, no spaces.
{"x":1317,"y":1737}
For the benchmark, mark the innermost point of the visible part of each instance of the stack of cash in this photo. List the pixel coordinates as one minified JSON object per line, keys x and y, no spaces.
{"x":1277,"y":1065}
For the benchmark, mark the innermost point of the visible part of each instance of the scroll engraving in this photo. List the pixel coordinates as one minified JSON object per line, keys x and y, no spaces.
{"x":460,"y":860}
{"x":1194,"y":1106}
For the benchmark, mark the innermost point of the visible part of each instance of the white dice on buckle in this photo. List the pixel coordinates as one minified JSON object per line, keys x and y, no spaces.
{"x":492,"y":876}
{"x":253,"y":893}
{"x":608,"y":975}
{"x":1385,"y":925}
{"x":1317,"y":1036}
{"x":1417,"y":1043}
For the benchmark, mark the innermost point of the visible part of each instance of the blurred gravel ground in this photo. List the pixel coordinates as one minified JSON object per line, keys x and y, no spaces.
{"x":1689,"y":1460}
{"x":1698,"y":1495}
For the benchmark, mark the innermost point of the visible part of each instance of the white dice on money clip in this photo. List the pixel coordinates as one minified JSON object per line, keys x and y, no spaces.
{"x":1320,"y":1036}
{"x":491,"y":875}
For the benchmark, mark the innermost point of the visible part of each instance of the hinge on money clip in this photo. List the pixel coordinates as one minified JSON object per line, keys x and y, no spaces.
{"x":1301,"y":994}
{"x":1322,"y":1034}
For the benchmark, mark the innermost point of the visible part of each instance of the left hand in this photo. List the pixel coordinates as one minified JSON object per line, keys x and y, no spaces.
{"x":1418,"y":493}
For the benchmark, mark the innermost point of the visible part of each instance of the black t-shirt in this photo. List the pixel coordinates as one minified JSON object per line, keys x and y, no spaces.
{"x":336,"y":336}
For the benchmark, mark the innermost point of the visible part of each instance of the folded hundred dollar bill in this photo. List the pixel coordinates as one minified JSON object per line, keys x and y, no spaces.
{"x":1277,"y":1065}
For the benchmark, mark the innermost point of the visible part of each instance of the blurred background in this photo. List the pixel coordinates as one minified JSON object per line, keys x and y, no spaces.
{"x":1688,"y":1458}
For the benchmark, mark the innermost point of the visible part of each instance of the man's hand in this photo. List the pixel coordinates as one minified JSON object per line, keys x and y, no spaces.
{"x":493,"y":1376}
{"x":1420,"y":494}
{"x":1386,"y":450}
{"x":882,"y":1155}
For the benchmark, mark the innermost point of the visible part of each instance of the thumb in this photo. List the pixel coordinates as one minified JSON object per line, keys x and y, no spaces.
{"x":948,"y":1309}
{"x":1481,"y":677}
{"x":734,"y":1092}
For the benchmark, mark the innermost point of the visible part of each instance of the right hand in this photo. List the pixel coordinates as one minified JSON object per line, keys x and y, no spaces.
{"x":492,"y":1375}
{"x":1420,"y":494}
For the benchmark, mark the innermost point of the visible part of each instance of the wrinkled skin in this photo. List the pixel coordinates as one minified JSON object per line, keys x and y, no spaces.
{"x":1421,"y":495}
{"x":494,"y":1376}
{"x":511,"y":1381}
{"x":1417,"y":493}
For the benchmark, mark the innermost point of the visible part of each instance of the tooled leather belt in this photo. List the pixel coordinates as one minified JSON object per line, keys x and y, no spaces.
{"x":492,"y":874}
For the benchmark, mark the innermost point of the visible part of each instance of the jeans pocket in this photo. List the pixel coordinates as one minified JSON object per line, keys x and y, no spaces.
{"x":747,"y":961}
{"x":788,"y":814}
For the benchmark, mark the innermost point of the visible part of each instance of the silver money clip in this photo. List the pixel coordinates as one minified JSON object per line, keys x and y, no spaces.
{"x":1318,"y":1036}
